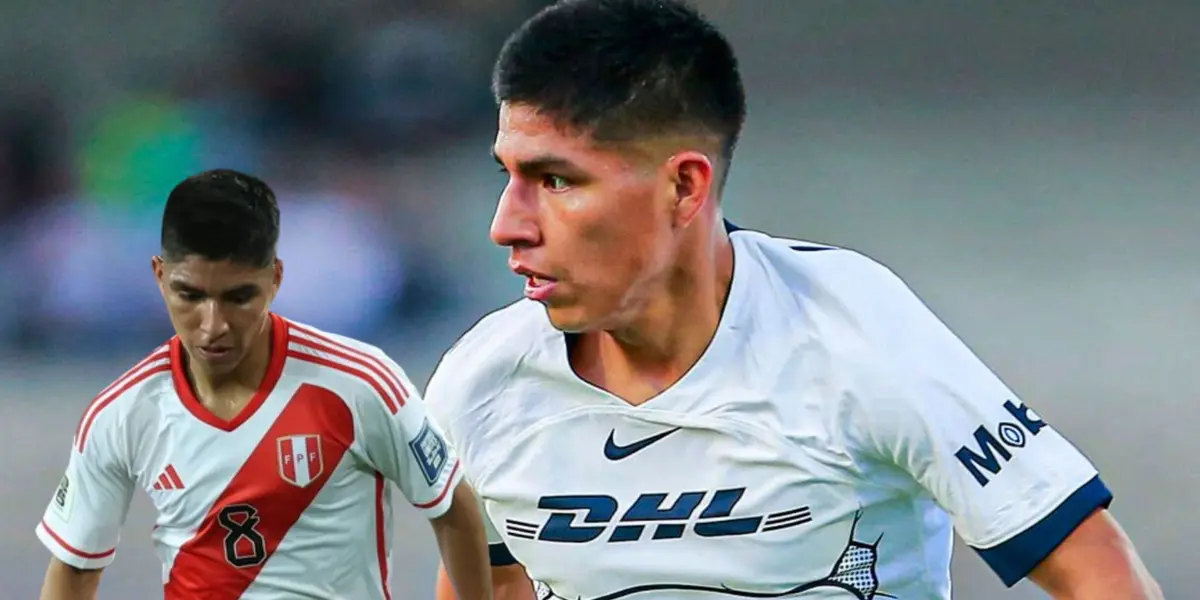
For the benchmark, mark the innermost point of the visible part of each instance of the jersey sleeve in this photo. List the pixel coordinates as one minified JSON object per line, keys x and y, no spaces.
{"x":408,"y":447}
{"x":82,"y":524}
{"x":444,"y":394}
{"x":1013,"y":485}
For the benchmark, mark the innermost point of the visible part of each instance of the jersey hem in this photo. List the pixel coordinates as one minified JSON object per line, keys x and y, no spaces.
{"x":70,"y":555}
{"x":1015,"y":558}
{"x":500,"y":555}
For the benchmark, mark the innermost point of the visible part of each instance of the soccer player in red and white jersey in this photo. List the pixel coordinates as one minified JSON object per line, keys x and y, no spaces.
{"x":266,"y":446}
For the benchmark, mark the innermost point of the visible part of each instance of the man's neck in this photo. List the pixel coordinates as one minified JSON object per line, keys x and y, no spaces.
{"x":226,"y":394}
{"x":640,"y":360}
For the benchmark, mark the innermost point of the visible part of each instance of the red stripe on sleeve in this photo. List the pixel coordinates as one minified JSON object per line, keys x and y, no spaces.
{"x":366,"y":378}
{"x":102,"y":402}
{"x":158,"y":354}
{"x":73,"y":549}
{"x":371,"y":362}
{"x":445,"y":490}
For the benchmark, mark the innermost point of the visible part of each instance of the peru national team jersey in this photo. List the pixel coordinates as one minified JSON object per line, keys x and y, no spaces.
{"x":291,"y":499}
{"x":827,"y":444}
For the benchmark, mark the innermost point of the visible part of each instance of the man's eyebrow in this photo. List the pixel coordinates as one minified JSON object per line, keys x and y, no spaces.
{"x":181,"y":286}
{"x":241,"y":289}
{"x":539,"y":164}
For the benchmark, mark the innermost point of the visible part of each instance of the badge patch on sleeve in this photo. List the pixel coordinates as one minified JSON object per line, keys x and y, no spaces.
{"x":64,"y":497}
{"x":430,"y":451}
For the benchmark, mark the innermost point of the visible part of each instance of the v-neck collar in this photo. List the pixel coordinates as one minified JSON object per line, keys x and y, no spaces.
{"x":183,"y":387}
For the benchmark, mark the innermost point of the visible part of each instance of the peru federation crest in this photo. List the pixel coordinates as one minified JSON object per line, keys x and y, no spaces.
{"x":300,"y":460}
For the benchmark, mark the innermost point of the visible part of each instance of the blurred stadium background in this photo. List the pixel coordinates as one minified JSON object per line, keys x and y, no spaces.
{"x":1029,"y":167}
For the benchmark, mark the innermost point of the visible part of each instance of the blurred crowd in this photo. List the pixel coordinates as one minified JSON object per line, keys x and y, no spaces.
{"x":329,"y":104}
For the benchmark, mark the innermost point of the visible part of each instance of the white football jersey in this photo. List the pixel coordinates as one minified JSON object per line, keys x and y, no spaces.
{"x":290,"y":499}
{"x":826,"y":445}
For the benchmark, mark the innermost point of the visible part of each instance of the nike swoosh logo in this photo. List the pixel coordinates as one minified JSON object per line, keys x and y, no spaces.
{"x":614,"y":452}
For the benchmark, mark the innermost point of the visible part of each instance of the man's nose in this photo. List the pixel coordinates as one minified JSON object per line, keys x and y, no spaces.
{"x":213,"y":323}
{"x":515,"y":221}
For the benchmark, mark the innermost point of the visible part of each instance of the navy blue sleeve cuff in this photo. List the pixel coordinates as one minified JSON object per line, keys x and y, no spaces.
{"x":500,"y":555}
{"x":1016,"y":558}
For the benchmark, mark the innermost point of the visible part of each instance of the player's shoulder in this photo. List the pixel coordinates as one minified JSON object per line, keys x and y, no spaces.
{"x":111,"y":408}
{"x":857,"y":311}
{"x":358,"y":369}
{"x":860,"y":313}
{"x":844,"y":312}
{"x":807,"y":263}
{"x":483,"y":360}
{"x":840,"y":278}
{"x":303,"y":335}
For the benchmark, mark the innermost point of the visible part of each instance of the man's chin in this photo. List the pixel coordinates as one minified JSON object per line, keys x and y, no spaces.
{"x":217,"y":363}
{"x":567,"y":319}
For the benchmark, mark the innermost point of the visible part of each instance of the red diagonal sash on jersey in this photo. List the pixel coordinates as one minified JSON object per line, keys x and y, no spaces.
{"x":259,"y":506}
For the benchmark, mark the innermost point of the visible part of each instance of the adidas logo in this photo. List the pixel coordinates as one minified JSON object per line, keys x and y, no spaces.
{"x":168,"y":480}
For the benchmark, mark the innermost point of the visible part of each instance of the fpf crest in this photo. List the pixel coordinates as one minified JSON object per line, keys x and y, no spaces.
{"x":300,"y":459}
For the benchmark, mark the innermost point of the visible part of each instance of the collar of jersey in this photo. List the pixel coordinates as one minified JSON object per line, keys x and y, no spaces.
{"x":697,"y":381}
{"x":183,"y":388}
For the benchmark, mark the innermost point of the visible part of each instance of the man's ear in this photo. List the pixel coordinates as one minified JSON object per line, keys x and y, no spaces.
{"x":692,"y":174}
{"x":158,"y":266}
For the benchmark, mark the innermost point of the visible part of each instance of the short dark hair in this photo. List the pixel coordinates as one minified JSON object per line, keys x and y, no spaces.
{"x":623,"y":69}
{"x":221,"y":215}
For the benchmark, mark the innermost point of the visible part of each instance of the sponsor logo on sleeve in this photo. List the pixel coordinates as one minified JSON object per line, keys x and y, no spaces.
{"x":995,"y":447}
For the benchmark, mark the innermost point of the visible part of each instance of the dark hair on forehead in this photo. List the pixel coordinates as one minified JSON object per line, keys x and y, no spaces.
{"x":221,"y":215}
{"x":625,"y":69}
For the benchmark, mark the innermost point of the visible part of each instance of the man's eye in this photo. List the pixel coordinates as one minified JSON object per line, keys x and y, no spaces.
{"x":190,"y":296}
{"x":555,"y":183}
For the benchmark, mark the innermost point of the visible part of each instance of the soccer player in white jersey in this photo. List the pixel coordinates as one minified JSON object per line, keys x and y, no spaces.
{"x":267,"y":447}
{"x":681,"y":410}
